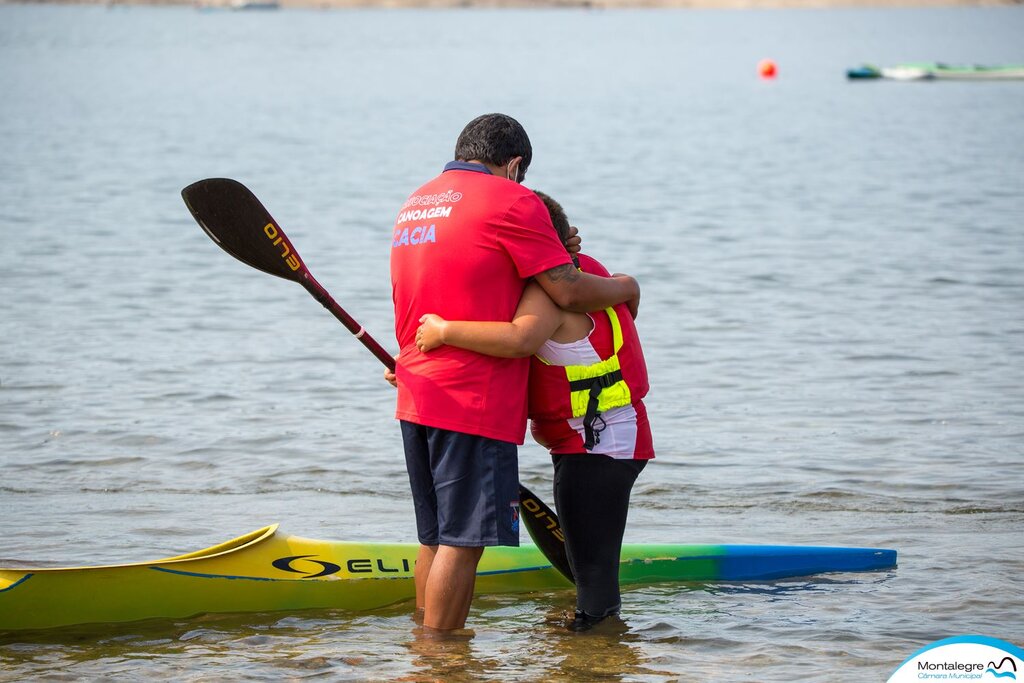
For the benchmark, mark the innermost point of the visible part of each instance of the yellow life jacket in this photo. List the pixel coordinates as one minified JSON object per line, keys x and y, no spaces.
{"x":597,"y":388}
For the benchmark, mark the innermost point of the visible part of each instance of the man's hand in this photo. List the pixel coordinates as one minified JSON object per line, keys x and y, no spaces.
{"x":390,"y":378}
{"x":430,"y":333}
{"x":573,"y":242}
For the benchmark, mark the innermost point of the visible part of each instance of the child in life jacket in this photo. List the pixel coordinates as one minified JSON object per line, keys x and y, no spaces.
{"x":587,"y":382}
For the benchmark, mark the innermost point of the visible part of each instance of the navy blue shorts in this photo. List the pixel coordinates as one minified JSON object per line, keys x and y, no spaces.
{"x":465,"y":488}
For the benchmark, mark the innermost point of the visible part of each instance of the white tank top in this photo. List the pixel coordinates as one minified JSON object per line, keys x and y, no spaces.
{"x":618,"y":438}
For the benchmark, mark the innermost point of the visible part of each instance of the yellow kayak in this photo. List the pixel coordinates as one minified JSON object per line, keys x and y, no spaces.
{"x":266,"y":571}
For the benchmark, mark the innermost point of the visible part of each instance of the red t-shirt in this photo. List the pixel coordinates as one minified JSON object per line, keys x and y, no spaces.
{"x":464,"y":246}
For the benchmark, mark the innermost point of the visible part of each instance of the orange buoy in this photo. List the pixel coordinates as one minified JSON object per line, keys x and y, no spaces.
{"x":766,"y":68}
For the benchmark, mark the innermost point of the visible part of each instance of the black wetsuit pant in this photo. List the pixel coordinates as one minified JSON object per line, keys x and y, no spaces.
{"x":592,"y":500}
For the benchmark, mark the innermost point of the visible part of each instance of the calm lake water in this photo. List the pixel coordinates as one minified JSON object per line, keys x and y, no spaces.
{"x":833,"y":315}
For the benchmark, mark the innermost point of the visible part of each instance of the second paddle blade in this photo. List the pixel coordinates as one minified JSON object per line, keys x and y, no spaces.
{"x":236,"y":220}
{"x":544,"y":529}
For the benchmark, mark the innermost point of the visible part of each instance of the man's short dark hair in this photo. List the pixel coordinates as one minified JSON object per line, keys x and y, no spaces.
{"x":558,"y":217}
{"x":494,"y":139}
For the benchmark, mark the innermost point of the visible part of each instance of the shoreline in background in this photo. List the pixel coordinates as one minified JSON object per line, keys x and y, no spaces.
{"x":538,"y":4}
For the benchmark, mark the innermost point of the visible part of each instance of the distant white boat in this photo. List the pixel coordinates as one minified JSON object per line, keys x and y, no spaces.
{"x":255,"y":4}
{"x":221,"y":5}
{"x":922,"y":71}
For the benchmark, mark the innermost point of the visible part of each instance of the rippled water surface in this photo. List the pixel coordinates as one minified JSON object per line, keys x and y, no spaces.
{"x":833,"y":314}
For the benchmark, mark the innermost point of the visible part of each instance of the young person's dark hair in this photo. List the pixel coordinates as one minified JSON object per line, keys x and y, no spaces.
{"x":494,"y":139}
{"x":558,"y":217}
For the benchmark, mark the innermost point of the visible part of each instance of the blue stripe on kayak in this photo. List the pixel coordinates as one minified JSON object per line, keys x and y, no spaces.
{"x":267,"y":578}
{"x":217,"y":576}
{"x":515,"y":571}
{"x":264,"y":578}
{"x":17,"y":583}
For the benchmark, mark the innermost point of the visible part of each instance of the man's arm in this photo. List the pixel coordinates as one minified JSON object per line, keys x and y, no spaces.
{"x":574,"y":290}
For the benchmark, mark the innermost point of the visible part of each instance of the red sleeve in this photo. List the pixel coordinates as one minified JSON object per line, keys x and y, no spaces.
{"x":528,"y":236}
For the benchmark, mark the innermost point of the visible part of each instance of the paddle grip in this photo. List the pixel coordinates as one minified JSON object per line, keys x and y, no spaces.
{"x":328,"y":302}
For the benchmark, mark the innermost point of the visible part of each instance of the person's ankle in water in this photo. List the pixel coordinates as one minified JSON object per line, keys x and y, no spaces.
{"x":584,"y":622}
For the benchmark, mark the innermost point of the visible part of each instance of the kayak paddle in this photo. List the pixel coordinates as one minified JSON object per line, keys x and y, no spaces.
{"x":235,"y":219}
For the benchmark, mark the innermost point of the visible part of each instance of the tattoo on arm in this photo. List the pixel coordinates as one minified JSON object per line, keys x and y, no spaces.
{"x":564,"y":273}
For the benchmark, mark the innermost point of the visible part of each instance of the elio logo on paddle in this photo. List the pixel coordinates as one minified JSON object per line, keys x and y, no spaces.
{"x":963,"y":658}
{"x":277,"y":238}
{"x":534,"y":508}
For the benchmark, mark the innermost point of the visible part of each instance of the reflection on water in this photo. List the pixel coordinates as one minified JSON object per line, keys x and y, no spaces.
{"x":607,"y":652}
{"x":531,"y":645}
{"x":446,"y":657}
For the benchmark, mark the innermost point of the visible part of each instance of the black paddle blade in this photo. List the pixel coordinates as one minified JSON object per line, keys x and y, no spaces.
{"x":235,"y":219}
{"x":542,"y":523}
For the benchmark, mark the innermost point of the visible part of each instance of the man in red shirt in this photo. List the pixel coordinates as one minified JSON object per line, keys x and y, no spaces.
{"x":465,"y":245}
